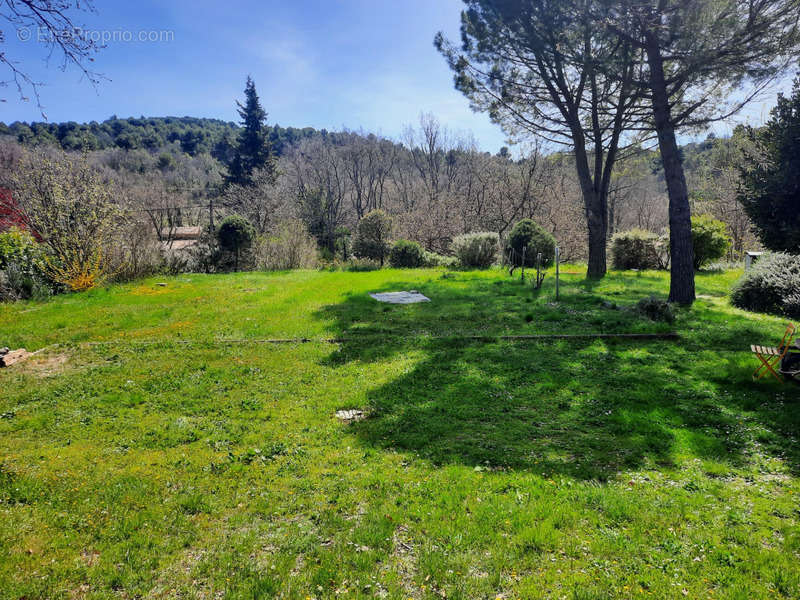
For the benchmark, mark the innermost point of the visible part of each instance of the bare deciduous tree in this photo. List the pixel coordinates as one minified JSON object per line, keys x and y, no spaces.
{"x":53,"y":24}
{"x":321,"y":186}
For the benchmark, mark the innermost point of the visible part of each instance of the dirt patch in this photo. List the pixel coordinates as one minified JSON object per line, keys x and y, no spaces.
{"x":45,"y":365}
{"x":179,"y":574}
{"x":80,"y":592}
{"x":403,"y":561}
{"x":90,"y":557}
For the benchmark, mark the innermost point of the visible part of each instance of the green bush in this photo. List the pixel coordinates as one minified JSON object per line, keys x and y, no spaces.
{"x":372,"y":236}
{"x":431,"y":259}
{"x":529,"y":235}
{"x":341,"y":242}
{"x":236,"y":234}
{"x":710,"y":239}
{"x":19,"y":247}
{"x":21,"y":267}
{"x":361,"y":264}
{"x":636,"y":249}
{"x":406,"y":255}
{"x":205,"y":256}
{"x":772,"y":285}
{"x":655,"y":309}
{"x":476,"y":250}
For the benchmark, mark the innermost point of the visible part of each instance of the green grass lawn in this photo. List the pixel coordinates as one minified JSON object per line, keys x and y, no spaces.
{"x":169,"y":461}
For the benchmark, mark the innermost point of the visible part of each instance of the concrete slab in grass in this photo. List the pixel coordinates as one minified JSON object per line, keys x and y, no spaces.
{"x":411,"y":297}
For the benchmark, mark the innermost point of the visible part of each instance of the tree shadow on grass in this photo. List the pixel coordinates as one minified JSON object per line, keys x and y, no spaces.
{"x":582,"y":408}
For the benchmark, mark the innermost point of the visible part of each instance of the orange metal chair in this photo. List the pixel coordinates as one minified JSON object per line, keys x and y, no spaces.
{"x":771,"y":357}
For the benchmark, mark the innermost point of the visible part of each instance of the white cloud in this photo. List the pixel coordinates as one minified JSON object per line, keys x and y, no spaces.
{"x":287,"y":57}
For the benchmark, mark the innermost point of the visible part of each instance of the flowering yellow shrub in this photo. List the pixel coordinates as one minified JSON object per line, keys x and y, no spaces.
{"x":77,"y":275}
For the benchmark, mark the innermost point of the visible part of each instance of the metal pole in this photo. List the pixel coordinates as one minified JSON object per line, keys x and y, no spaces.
{"x":557,"y":259}
{"x":539,"y":277}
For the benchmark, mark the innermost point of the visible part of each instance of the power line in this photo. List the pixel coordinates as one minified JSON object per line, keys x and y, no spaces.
{"x":203,"y":206}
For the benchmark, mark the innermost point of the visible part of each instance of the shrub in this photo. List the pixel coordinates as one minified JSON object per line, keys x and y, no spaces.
{"x":431,"y":259}
{"x":77,"y":274}
{"x":362,"y":264}
{"x":709,"y":238}
{"x":529,"y":235}
{"x":476,"y":250}
{"x":19,"y":246}
{"x":289,"y":247}
{"x":636,"y":249}
{"x":18,"y":284}
{"x":406,"y":254}
{"x":235,"y":234}
{"x":771,"y":285}
{"x":341,"y":241}
{"x":21,"y":267}
{"x":176,"y":262}
{"x":372,"y":236}
{"x":205,"y":256}
{"x":655,"y":309}
{"x":326,"y":255}
{"x":136,"y":252}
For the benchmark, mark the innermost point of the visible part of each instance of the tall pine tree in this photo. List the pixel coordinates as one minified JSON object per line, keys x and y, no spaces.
{"x":705,"y":60}
{"x":253,"y":150}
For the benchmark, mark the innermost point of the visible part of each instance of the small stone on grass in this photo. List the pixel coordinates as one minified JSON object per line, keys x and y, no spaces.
{"x":351,"y":415}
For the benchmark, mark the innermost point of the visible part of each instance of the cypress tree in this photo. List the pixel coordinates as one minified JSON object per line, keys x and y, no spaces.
{"x":770,"y":190}
{"x":253,"y":149}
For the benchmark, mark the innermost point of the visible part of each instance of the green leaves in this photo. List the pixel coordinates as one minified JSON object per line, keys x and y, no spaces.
{"x":770,"y":175}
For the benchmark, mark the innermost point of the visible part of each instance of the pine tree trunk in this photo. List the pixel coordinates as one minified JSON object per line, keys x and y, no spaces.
{"x":681,"y":285}
{"x":597,"y":225}
{"x":596,"y":216}
{"x":612,"y":215}
{"x":597,"y":245}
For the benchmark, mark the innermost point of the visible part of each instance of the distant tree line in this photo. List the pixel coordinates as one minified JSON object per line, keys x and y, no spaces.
{"x":434,"y":183}
{"x":191,"y":135}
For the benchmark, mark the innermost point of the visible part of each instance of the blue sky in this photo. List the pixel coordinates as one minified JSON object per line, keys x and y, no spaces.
{"x":341,"y":63}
